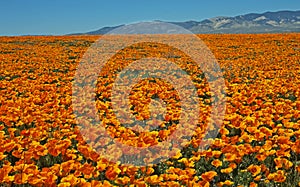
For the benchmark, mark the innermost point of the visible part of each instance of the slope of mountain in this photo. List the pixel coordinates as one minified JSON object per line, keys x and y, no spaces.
{"x":100,"y":31}
{"x":268,"y":22}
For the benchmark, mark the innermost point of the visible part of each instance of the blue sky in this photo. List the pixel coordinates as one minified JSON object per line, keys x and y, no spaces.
{"x":57,"y":17}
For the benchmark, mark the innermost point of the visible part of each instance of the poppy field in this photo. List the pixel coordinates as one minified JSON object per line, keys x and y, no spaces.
{"x":257,"y":144}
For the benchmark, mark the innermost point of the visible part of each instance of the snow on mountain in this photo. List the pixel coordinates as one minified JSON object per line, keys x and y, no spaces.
{"x":260,"y":18}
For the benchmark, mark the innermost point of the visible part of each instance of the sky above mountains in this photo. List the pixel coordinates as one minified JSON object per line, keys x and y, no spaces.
{"x":58,"y":17}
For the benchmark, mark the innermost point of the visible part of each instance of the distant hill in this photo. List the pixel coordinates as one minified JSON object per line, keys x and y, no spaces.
{"x":268,"y":22}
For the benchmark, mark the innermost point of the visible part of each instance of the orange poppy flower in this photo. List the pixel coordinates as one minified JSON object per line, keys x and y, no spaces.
{"x":64,"y":184}
{"x":112,"y":172}
{"x":227,"y":170}
{"x":226,"y":182}
{"x":217,"y":163}
{"x":253,"y":184}
{"x":208,"y":176}
{"x":283,"y":163}
{"x":254,"y":169}
{"x":280,"y":176}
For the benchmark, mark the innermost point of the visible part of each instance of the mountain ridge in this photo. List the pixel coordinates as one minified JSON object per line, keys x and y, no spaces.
{"x":267,"y":22}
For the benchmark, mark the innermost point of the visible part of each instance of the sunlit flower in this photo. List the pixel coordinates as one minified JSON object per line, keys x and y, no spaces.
{"x":217,"y":163}
{"x":208,"y":176}
{"x":254,"y":169}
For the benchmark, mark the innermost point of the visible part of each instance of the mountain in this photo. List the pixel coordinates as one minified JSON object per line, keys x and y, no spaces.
{"x":268,"y":22}
{"x":100,"y":31}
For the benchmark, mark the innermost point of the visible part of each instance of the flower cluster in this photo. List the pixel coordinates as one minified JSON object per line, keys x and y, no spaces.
{"x":258,"y":144}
